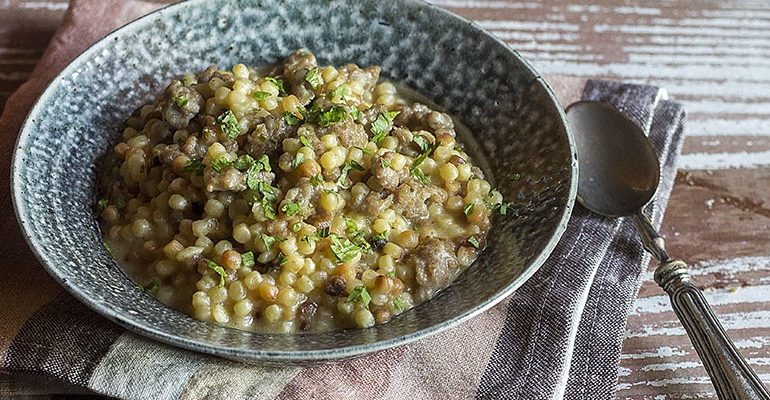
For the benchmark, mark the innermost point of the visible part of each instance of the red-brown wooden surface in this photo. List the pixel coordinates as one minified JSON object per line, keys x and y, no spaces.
{"x":714,"y":56}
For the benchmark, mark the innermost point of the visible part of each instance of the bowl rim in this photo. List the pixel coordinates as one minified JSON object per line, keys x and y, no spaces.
{"x":252,"y":354}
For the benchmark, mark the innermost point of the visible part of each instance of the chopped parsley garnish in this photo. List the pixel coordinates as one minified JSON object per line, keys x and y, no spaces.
{"x":277,"y":82}
{"x":419,"y":175}
{"x":260,"y":95}
{"x":290,"y":118}
{"x":350,"y":226}
{"x":317,"y":180}
{"x":468,"y":209}
{"x":296,"y":227}
{"x":514,"y":177}
{"x":421,"y":143}
{"x":332,"y":116}
{"x":121,"y":203}
{"x":248,"y":259}
{"x":346,"y":168}
{"x":364,"y":150}
{"x":391,"y":274}
{"x":252,"y":174}
{"x":150,"y":287}
{"x":281,"y":259}
{"x":337,"y":93}
{"x":229,"y":124}
{"x":382,"y":125}
{"x":268,"y":240}
{"x":344,"y":250}
{"x":219,"y":164}
{"x":243,"y":163}
{"x":398,"y":304}
{"x":474,"y":242}
{"x":324,"y":232}
{"x":268,"y":199}
{"x":305,"y":141}
{"x":503,"y":208}
{"x":107,"y":247}
{"x":313,"y":77}
{"x":180,"y":101}
{"x":219,"y":270}
{"x":381,"y":236}
{"x":195,"y":167}
{"x":101,"y":205}
{"x":385,"y":163}
{"x":355,"y":113}
{"x":360,"y":293}
{"x":297,"y":161}
{"x":290,"y":209}
{"x":415,"y":170}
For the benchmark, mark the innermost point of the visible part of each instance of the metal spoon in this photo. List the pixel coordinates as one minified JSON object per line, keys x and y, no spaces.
{"x":619,"y":174}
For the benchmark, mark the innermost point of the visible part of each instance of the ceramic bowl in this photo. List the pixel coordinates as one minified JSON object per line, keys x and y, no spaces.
{"x":517,"y":124}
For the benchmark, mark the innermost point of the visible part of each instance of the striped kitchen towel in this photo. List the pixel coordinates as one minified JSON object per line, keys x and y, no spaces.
{"x":558,"y":336}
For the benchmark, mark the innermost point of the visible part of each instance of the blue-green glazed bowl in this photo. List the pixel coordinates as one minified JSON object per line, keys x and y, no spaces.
{"x":514,"y":117}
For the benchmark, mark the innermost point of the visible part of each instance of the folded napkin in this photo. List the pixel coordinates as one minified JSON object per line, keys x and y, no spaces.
{"x":558,"y":336}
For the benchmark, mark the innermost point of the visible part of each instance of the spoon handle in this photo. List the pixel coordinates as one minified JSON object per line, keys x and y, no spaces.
{"x":731,"y":375}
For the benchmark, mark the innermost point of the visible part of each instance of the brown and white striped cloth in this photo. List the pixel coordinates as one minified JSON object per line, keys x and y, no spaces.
{"x":558,"y":336}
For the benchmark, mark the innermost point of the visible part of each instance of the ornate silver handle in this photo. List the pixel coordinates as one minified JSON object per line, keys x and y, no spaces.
{"x":730,"y":373}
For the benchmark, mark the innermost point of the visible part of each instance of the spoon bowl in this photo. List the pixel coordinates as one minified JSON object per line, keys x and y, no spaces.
{"x":619,"y":168}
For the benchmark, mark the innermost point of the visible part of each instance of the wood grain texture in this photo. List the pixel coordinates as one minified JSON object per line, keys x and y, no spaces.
{"x":711,"y":55}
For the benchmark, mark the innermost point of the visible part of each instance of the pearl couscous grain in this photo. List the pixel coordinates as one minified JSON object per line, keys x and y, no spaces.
{"x":292,"y":198}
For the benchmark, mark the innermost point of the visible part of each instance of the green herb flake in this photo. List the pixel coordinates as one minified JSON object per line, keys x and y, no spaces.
{"x":268,"y":200}
{"x":290,"y":209}
{"x":268,"y":240}
{"x":355,"y":113}
{"x":180,"y":101}
{"x":248,"y":259}
{"x":398,"y":304}
{"x":384,"y":163}
{"x":474,"y":242}
{"x":277,"y":82}
{"x":108,"y":248}
{"x":468,"y":209}
{"x":338,"y":93}
{"x":195,"y":167}
{"x":360,"y":293}
{"x":101,"y":205}
{"x":332,"y":116}
{"x":503,"y":208}
{"x":219,"y":164}
{"x":219,"y":270}
{"x":317,"y":180}
{"x":514,"y":177}
{"x":297,"y":161}
{"x":343,"y":249}
{"x":229,"y":124}
{"x":260,"y":95}
{"x":350,"y":226}
{"x":346,"y":168}
{"x":382,"y":125}
{"x":364,"y":150}
{"x":305,"y":141}
{"x":291,"y":119}
{"x":421,"y":143}
{"x":419,"y":175}
{"x":243,"y":163}
{"x":391,"y":274}
{"x":296,"y":227}
{"x":313,"y":77}
{"x":381,"y":236}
